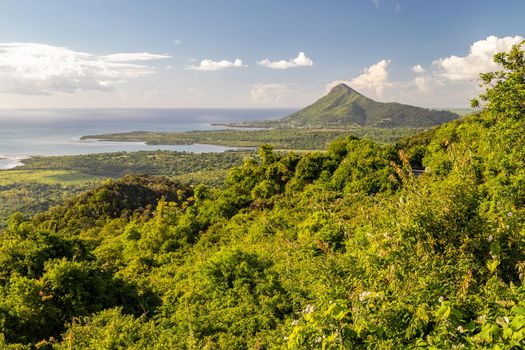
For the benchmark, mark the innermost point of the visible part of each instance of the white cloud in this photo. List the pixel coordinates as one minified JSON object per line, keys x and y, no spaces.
{"x":210,"y":65}
{"x":418,"y":69}
{"x":478,"y":60}
{"x":373,"y":80}
{"x":300,"y":61}
{"x":177,"y":42}
{"x":374,"y":77}
{"x":268,"y":93}
{"x":422,"y":83}
{"x":39,"y":69}
{"x":452,"y":83}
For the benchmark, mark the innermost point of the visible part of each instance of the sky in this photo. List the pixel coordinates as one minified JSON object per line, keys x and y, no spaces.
{"x":248,"y":53}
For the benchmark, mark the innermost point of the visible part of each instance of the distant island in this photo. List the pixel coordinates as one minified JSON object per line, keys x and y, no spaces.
{"x":341,"y":112}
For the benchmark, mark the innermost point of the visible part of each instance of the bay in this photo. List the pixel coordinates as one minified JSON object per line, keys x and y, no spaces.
{"x":50,"y":132}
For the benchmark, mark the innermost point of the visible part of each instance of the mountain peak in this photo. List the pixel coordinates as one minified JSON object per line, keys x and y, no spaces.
{"x":342,"y":87}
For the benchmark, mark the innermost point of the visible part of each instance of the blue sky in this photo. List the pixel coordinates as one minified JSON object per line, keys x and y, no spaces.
{"x":233,"y":53}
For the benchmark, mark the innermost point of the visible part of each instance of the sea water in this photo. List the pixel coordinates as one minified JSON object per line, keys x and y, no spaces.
{"x":50,"y":132}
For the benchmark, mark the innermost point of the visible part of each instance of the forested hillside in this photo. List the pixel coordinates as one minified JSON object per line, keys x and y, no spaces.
{"x":345,"y":249}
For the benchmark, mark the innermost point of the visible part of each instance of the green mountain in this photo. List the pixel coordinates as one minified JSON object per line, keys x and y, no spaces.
{"x":343,"y":106}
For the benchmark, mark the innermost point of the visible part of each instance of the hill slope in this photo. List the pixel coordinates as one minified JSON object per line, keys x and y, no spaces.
{"x":345,"y":106}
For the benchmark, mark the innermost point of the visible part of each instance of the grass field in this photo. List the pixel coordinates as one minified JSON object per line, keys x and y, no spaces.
{"x":47,"y":177}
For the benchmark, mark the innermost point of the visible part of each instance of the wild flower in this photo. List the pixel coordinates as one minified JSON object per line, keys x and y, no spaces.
{"x":365,"y":295}
{"x":308,"y":309}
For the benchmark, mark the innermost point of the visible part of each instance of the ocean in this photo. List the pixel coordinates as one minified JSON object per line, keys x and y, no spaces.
{"x":50,"y":132}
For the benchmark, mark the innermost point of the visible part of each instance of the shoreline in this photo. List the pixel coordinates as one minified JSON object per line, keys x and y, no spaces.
{"x":12,"y":162}
{"x":8,"y":163}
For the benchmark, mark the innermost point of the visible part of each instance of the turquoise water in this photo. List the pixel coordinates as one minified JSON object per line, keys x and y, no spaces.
{"x":26,"y":133}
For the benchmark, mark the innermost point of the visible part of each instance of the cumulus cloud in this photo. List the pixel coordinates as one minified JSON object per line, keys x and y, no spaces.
{"x":374,"y":77}
{"x":478,"y":60}
{"x":39,"y":69}
{"x":210,"y":65}
{"x":373,"y":80}
{"x":453,"y":81}
{"x":300,"y":61}
{"x":268,"y":93}
{"x":423,"y":83}
{"x":418,"y":69}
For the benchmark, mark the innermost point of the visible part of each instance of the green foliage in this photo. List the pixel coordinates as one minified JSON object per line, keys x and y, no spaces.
{"x":321,"y":230}
{"x":506,"y":88}
{"x":108,"y":329}
{"x":343,"y":249}
{"x":328,"y":328}
{"x":366,"y":168}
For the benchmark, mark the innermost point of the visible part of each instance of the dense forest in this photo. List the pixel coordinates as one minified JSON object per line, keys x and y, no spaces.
{"x":343,"y":249}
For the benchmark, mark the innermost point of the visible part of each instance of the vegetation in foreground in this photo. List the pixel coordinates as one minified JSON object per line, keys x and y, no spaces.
{"x":341,"y":249}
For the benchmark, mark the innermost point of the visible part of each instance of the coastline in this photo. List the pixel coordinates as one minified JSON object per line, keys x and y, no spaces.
{"x":7,"y":163}
{"x":286,"y":138}
{"x":82,"y":145}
